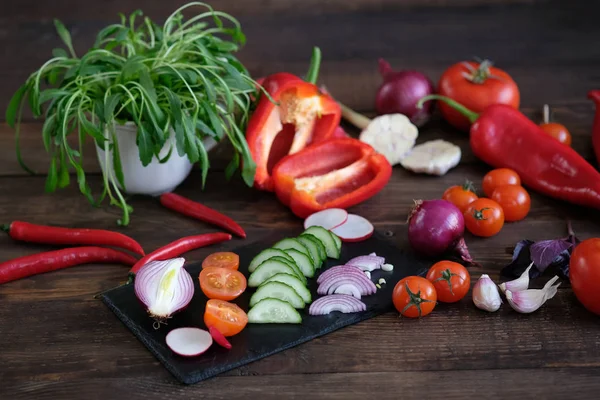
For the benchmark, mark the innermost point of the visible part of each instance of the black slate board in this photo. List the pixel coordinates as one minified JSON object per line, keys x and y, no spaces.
{"x":258,"y":341}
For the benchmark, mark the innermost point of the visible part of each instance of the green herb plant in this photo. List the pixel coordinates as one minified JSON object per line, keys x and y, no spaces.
{"x":181,"y":76}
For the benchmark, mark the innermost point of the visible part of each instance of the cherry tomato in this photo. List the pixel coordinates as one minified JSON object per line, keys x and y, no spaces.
{"x":222,"y":283}
{"x":499,"y":177}
{"x":222,"y":259}
{"x":584,"y":273}
{"x":484,"y":217}
{"x":414,"y":297}
{"x":226,"y":317}
{"x":460,"y":196}
{"x":514,"y":200}
{"x":450,"y":279}
{"x":558,"y":132}
{"x":476,"y":86}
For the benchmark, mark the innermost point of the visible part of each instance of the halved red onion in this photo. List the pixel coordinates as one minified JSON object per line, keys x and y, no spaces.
{"x":164,"y":287}
{"x":333,"y":270}
{"x":347,"y":288}
{"x":336,"y":302}
{"x":367,"y":263}
{"x":356,"y":278}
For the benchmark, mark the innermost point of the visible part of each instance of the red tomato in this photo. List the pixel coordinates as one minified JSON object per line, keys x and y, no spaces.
{"x":499,"y":177}
{"x":476,"y":86}
{"x":222,"y":259}
{"x":450,"y":279}
{"x":514,"y":200}
{"x":558,"y":132}
{"x":226,"y":317}
{"x":414,"y":297}
{"x":584,"y":273}
{"x":460,"y":196}
{"x":222,"y":283}
{"x":484,"y":217}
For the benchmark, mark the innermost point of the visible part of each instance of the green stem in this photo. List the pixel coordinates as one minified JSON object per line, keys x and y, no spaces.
{"x":315,"y":64}
{"x":5,"y":227}
{"x":471,"y":115}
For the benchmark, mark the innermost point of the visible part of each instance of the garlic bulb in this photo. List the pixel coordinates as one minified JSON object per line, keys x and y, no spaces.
{"x":528,"y":301}
{"x":485,"y":294}
{"x":521,"y":283}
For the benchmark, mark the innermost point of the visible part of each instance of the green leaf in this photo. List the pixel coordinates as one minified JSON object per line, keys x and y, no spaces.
{"x":144,"y":143}
{"x":63,"y":172}
{"x":232,"y":166}
{"x":48,"y":131}
{"x":52,"y":178}
{"x":202,"y":127}
{"x":204,"y":163}
{"x":60,"y":53}
{"x":94,"y":131}
{"x":15,"y":104}
{"x":110,"y":104}
{"x":216,"y":123}
{"x":190,"y":138}
{"x":84,"y":188}
{"x":175,"y":106}
{"x":65,"y":36}
{"x":116,"y":159}
{"x":49,"y":94}
{"x":132,"y":67}
{"x":106,"y":32}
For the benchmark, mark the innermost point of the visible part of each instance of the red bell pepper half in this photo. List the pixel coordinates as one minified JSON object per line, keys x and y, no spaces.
{"x":335,"y":173}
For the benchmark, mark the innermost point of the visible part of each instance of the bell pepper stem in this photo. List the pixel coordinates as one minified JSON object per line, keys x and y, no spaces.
{"x":471,"y":115}
{"x":356,"y":119}
{"x":5,"y":227}
{"x":315,"y":64}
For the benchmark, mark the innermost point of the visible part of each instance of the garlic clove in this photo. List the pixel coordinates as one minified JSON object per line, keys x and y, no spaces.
{"x":528,"y":301}
{"x":516,"y":285}
{"x":486,"y":295}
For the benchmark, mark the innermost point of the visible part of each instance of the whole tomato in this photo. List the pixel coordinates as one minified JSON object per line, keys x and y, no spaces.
{"x":460,"y":196}
{"x":584,"y":273}
{"x":450,"y":279}
{"x":484,"y":217}
{"x":476,"y":86}
{"x":499,"y":177}
{"x":414,"y":297}
{"x":514,"y":200}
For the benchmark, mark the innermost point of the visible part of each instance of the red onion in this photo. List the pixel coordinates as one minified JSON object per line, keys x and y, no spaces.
{"x":346,"y":288}
{"x":400,"y":92}
{"x":334,"y":270}
{"x":367,"y":263}
{"x":351,"y":276}
{"x":164,"y":287}
{"x":436,"y":227}
{"x":336,"y":302}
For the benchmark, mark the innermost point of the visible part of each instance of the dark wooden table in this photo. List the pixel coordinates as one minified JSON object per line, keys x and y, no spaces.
{"x":59,"y":342}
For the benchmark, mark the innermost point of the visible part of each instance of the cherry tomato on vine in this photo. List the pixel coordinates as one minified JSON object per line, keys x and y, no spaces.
{"x":461,"y":196}
{"x":514,"y":200}
{"x":414,"y":297}
{"x":450,"y":279}
{"x":499,"y":177}
{"x":584,"y":273}
{"x":484,"y":217}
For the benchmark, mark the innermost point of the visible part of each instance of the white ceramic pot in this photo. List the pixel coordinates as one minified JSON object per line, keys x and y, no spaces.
{"x":155,"y":178}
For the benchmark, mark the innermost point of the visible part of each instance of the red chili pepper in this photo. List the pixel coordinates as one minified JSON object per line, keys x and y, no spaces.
{"x":219,"y":338}
{"x":23,"y":267}
{"x":336,"y":173}
{"x":180,"y":246}
{"x":595,"y":96}
{"x":302,"y":116}
{"x":503,"y":137}
{"x":196,"y":210}
{"x":27,"y":232}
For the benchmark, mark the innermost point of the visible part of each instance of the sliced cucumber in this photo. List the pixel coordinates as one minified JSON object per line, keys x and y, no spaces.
{"x":338,"y":241}
{"x":291,"y":243}
{"x":267,"y":269}
{"x":265,"y":254}
{"x":326,"y":238}
{"x":293,"y":265}
{"x":303,"y":262}
{"x":294,"y":282}
{"x":273,"y":311}
{"x":277,"y":290}
{"x":314,"y":246}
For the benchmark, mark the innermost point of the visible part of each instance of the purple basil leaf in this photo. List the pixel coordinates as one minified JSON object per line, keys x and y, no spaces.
{"x":520,"y":261}
{"x":545,"y":252}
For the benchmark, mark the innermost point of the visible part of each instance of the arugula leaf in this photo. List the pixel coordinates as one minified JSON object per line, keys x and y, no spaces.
{"x":65,"y":36}
{"x":52,"y":178}
{"x":15,"y":104}
{"x":63,"y":172}
{"x":116,"y":159}
{"x":144,"y":143}
{"x":109,"y":106}
{"x":48,"y":130}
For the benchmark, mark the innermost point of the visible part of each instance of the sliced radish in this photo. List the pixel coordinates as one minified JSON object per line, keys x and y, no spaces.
{"x":328,"y":219}
{"x":189,"y":342}
{"x":355,"y":229}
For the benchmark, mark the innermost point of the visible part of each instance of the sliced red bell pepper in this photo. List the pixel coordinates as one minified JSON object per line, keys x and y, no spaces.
{"x":302,"y":116}
{"x":335,"y":173}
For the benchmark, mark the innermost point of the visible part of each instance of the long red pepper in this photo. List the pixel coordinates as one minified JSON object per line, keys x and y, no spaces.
{"x":180,"y":246}
{"x":201,"y":212}
{"x":27,"y":232}
{"x":34,"y":264}
{"x":503,"y":137}
{"x":595,"y":96}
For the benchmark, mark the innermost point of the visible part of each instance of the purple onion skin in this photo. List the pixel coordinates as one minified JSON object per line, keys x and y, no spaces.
{"x":400,"y":92}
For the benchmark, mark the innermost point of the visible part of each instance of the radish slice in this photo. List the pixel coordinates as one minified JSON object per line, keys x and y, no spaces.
{"x":328,"y":219}
{"x":355,"y":229}
{"x":189,"y":342}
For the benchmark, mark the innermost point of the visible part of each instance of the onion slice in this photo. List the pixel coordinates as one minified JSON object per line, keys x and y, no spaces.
{"x":328,"y":219}
{"x":367,"y":263}
{"x":346,"y":288}
{"x":353,"y":277}
{"x":333,"y":270}
{"x":336,"y":302}
{"x":355,"y":229}
{"x":164,"y":287}
{"x":189,"y":342}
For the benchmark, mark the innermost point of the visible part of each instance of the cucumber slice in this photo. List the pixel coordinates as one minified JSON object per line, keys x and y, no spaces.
{"x":277,"y":290}
{"x":266,"y":254}
{"x":293,"y":265}
{"x":303,"y":262}
{"x":337,"y":240}
{"x":294,"y":282}
{"x":267,"y":269}
{"x":291,"y":243}
{"x":273,"y":311}
{"x":326,"y":238}
{"x":315,"y":247}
